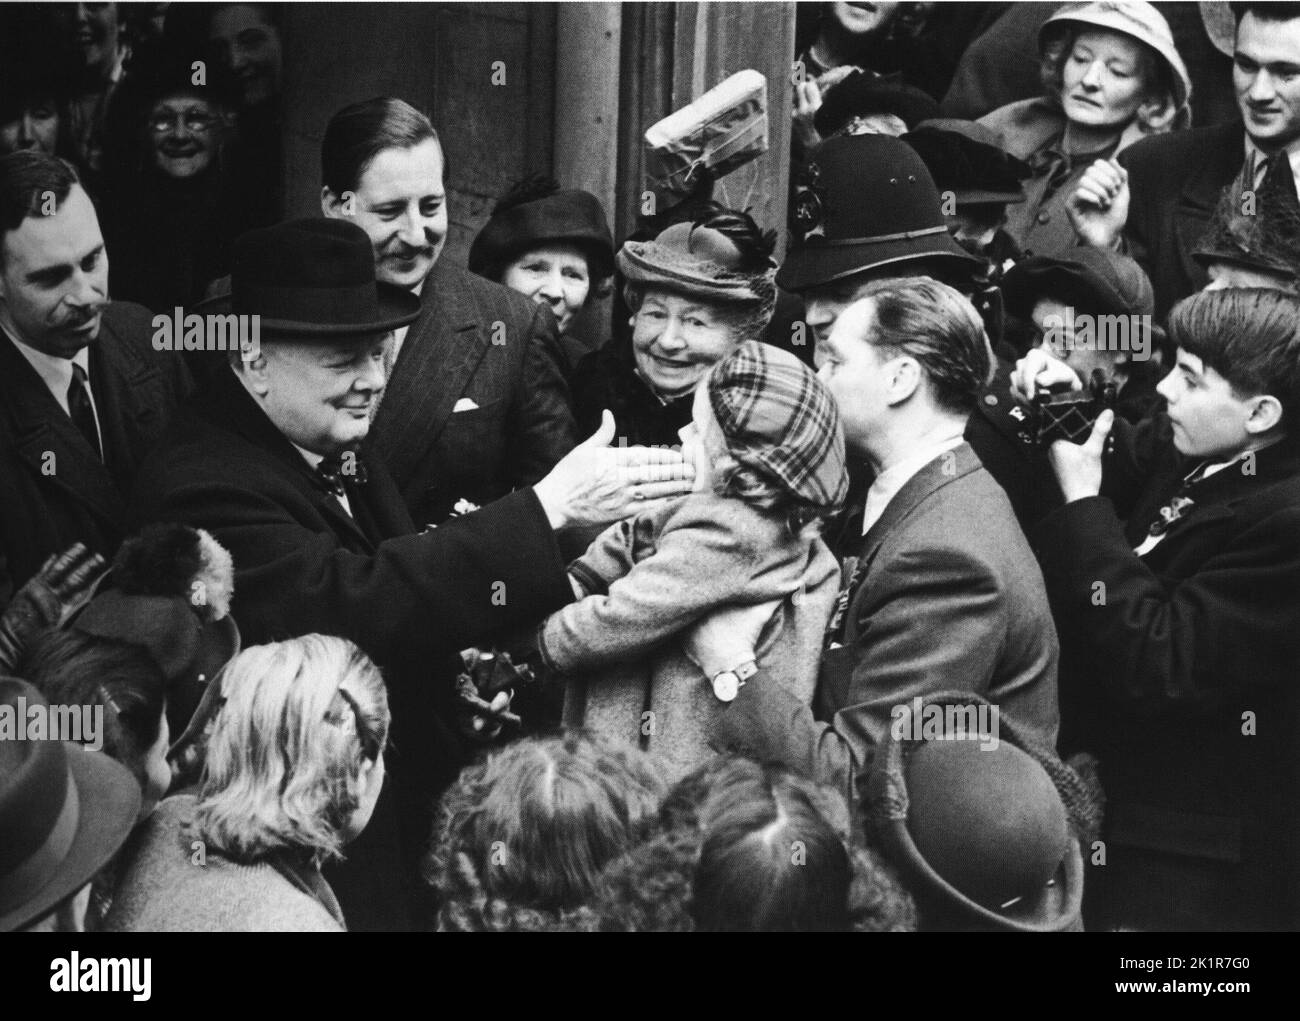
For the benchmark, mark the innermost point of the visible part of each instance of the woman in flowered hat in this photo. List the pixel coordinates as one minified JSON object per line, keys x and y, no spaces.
{"x":1113,"y":76}
{"x":696,"y":291}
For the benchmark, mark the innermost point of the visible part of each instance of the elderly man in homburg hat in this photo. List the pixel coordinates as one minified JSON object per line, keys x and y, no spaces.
{"x":266,"y":460}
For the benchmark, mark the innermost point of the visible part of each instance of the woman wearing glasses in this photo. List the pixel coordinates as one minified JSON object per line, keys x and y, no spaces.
{"x":171,"y":206}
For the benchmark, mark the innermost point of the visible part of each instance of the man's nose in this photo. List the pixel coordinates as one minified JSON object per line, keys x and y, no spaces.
{"x":238,"y":57}
{"x":26,"y":130}
{"x":1261,"y":87}
{"x":373,"y":376}
{"x":411,"y":229}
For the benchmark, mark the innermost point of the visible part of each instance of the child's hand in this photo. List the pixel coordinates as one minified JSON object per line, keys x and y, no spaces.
{"x":727,"y":637}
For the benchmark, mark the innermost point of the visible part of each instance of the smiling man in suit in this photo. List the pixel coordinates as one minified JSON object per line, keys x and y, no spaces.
{"x":83,"y":396}
{"x":1163,"y":191}
{"x":477,"y":405}
{"x":941,"y":592}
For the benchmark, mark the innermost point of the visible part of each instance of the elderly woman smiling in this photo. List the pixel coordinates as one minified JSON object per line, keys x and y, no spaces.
{"x":1113,"y":76}
{"x":696,"y":292}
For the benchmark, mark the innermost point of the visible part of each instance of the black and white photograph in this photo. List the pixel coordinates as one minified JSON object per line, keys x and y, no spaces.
{"x":651,"y":467}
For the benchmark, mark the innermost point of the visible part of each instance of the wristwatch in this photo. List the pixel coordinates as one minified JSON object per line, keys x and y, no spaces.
{"x":727,"y":684}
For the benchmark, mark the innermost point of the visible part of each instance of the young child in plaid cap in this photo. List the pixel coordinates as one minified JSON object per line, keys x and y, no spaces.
{"x":768,"y":452}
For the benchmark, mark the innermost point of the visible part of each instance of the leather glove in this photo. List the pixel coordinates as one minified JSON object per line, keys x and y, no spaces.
{"x":63,"y":585}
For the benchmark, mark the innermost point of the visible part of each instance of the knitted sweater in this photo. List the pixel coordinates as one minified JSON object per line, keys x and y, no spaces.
{"x":650,"y":578}
{"x":164,"y":888}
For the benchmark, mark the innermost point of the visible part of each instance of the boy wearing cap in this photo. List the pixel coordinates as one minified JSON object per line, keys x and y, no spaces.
{"x":768,"y":452}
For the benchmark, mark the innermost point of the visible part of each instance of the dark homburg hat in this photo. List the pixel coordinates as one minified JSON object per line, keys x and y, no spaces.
{"x":312,"y":279}
{"x":865,"y":201}
{"x":968,"y":159}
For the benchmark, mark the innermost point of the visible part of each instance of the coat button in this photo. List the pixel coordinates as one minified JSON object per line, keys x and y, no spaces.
{"x":990,"y":400}
{"x":1044,"y":217}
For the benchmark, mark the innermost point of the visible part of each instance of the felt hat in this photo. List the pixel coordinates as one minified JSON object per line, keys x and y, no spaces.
{"x":312,"y":280}
{"x":568,"y":216}
{"x":1268,"y":238}
{"x":982,"y":830}
{"x":780,"y":419}
{"x":1094,"y":280}
{"x":863,"y":202}
{"x":967,"y":159}
{"x":700,"y":262}
{"x":64,"y":812}
{"x":862,"y":93}
{"x":1134,"y":18}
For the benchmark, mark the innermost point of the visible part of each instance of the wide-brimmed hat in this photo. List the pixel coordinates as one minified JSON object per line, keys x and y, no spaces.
{"x":1136,"y":19}
{"x":779,"y":418}
{"x":968,"y":159}
{"x":312,"y":279}
{"x":1268,"y":239}
{"x":862,"y":202}
{"x":862,"y":93}
{"x":566,"y":216}
{"x":700,"y":262}
{"x":1095,"y":280}
{"x":983,"y":831}
{"x":64,"y":812}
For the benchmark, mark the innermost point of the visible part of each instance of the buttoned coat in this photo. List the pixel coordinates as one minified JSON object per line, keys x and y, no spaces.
{"x":944,"y":594}
{"x":304,"y":565}
{"x":1179,"y":670}
{"x":54,"y":490}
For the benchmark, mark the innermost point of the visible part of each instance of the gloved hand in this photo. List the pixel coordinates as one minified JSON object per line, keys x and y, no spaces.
{"x":63,"y":585}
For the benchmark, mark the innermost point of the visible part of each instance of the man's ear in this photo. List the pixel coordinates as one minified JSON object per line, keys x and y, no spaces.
{"x":1266,"y":414}
{"x":331,"y":205}
{"x":905,"y":376}
{"x":257,"y":374}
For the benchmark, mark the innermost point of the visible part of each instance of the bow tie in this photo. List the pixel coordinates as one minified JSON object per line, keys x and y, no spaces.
{"x":334,"y":472}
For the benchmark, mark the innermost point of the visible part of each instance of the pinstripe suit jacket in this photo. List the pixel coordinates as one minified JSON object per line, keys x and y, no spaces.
{"x":475,"y":343}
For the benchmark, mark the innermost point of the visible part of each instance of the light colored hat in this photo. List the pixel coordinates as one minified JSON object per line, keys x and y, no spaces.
{"x":1134,"y":18}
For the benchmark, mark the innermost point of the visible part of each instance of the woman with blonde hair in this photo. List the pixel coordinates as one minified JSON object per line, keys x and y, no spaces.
{"x":1112,"y":76}
{"x":294,"y":767}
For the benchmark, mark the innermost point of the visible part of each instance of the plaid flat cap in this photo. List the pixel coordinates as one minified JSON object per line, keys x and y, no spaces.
{"x":778,"y":418}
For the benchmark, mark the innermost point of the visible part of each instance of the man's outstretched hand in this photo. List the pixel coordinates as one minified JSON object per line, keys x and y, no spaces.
{"x":596,"y":484}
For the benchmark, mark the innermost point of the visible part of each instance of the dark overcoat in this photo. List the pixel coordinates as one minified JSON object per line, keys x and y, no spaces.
{"x":409,"y":600}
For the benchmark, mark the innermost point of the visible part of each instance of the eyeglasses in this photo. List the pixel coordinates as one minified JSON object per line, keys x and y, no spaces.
{"x":199,"y":123}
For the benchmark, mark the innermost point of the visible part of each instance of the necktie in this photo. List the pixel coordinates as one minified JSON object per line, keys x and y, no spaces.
{"x":79,"y":408}
{"x":333,"y":472}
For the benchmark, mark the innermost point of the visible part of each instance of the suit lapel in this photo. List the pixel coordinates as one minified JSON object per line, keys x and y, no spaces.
{"x":1225,"y":153}
{"x":439,"y":357}
{"x":127,"y":396}
{"x":46,"y":439}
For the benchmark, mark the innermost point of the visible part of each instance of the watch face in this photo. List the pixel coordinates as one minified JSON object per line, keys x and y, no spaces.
{"x":726,"y":686}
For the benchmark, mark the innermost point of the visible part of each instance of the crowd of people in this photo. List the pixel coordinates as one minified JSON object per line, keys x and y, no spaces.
{"x":942,"y":575}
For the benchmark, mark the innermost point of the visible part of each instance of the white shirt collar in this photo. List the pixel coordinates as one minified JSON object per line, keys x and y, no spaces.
{"x":56,"y":373}
{"x":896,"y":476}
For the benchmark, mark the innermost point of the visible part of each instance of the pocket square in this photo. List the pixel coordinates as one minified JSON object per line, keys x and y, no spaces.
{"x":464,"y":404}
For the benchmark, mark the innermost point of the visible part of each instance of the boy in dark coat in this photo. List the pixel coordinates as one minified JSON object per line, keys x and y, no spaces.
{"x":1174,"y":577}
